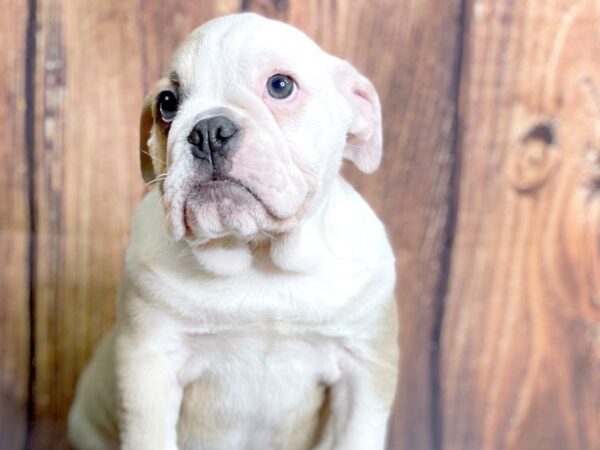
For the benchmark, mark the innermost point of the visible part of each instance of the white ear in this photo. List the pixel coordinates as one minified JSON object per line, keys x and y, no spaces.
{"x":364,"y":136}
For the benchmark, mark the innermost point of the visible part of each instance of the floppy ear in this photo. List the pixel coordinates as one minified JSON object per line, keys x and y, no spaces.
{"x":364,"y":136}
{"x":146,"y":123}
{"x":153,"y":138}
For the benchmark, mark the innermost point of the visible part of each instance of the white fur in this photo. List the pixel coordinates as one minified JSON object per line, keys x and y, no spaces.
{"x":232,"y":329}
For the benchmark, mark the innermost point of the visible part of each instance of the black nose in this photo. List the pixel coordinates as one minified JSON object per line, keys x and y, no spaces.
{"x":211,"y":137}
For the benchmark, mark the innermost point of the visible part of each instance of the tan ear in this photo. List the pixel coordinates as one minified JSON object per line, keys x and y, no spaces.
{"x":149,"y":172}
{"x":364,"y":138}
{"x":153,"y":139}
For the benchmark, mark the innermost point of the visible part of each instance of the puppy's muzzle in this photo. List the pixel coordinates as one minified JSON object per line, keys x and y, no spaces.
{"x":213,"y":140}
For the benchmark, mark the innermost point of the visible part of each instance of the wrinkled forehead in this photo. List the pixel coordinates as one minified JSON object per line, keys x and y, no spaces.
{"x":245,"y":45}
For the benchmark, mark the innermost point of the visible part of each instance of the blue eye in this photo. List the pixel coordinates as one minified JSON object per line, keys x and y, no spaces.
{"x":280,"y":86}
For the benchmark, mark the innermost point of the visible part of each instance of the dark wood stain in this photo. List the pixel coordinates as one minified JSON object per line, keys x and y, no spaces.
{"x":30,"y":59}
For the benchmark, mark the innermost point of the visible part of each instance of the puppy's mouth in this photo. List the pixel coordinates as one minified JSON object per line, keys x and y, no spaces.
{"x":219,"y":189}
{"x":224,"y":199}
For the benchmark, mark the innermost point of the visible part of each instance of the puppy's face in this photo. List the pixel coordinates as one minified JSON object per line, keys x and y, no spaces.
{"x":248,"y":130}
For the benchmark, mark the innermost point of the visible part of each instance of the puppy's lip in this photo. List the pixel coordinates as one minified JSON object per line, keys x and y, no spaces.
{"x":225,"y":182}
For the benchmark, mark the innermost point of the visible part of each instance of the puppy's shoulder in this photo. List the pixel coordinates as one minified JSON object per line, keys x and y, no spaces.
{"x":351,"y":226}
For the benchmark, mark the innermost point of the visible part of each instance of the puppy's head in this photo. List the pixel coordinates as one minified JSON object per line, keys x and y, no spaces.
{"x":248,"y":130}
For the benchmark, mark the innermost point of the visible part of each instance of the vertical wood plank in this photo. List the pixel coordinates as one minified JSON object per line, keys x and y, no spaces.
{"x":95,"y":59}
{"x":14,"y":226}
{"x":521,"y":339}
{"x":411,"y":51}
{"x":85,"y":160}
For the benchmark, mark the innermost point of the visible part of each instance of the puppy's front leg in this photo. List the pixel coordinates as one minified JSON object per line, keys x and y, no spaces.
{"x":362,"y":395}
{"x":149,"y":393}
{"x":357,"y":416}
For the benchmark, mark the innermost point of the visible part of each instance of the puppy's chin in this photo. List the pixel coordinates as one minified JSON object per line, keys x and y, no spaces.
{"x":219,"y":208}
{"x":215,"y":209}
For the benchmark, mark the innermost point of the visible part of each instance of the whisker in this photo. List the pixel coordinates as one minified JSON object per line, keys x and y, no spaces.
{"x":160,"y":177}
{"x":152,"y":156}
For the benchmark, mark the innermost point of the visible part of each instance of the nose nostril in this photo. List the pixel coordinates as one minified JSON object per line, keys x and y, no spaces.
{"x":225,"y":132}
{"x":194,"y":138}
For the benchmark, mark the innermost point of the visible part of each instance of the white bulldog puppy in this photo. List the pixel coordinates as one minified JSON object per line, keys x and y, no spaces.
{"x":256,"y":308}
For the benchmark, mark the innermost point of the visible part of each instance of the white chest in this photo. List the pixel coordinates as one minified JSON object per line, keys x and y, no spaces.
{"x":256,"y":390}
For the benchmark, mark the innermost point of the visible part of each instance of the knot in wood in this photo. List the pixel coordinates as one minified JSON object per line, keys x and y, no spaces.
{"x":534,"y":158}
{"x":592,"y":168}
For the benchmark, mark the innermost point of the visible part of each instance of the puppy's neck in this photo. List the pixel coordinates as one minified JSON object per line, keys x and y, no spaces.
{"x":297,"y":251}
{"x":223,"y":256}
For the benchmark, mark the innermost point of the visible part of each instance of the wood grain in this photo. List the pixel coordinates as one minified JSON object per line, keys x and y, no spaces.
{"x":521,"y":336}
{"x":409,"y":50}
{"x":83,"y":169}
{"x":14,"y":226}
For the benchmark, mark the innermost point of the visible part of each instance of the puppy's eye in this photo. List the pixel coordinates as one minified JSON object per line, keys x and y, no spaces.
{"x":280,"y":86}
{"x":167,"y":105}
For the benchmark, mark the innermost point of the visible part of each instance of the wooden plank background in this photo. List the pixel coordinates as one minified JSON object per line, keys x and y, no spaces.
{"x":520,"y":364}
{"x":14,"y":226}
{"x":490,"y":189}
